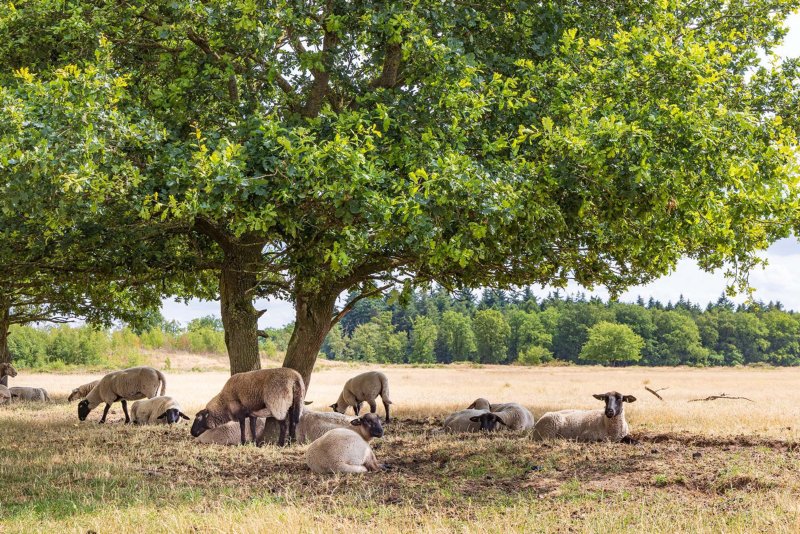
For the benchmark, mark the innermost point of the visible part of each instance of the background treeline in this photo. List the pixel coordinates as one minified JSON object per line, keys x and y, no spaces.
{"x":515,"y":327}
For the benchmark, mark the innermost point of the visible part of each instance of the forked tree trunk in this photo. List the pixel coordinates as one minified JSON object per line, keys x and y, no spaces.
{"x":239,"y":316}
{"x":313,"y":314}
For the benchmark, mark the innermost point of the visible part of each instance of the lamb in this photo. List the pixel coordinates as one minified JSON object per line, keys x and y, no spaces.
{"x":464,"y":421}
{"x":164,"y":410}
{"x":515,"y":416}
{"x":342,"y":450}
{"x":608,"y":424}
{"x":129,"y":384}
{"x":5,"y":395}
{"x":29,"y":394}
{"x":81,"y":391}
{"x":364,"y":387}
{"x":314,"y":424}
{"x":276,"y":393}
{"x":229,"y":433}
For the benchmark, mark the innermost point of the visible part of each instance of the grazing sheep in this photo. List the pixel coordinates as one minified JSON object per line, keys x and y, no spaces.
{"x":6,"y":370}
{"x":164,"y":410}
{"x":312,"y":424}
{"x":608,"y":424}
{"x":229,"y":433}
{"x":5,"y":395}
{"x":129,"y":384}
{"x":516,"y":416}
{"x":364,"y":388}
{"x":342,"y":450}
{"x":464,"y":421}
{"x":29,"y":394}
{"x":276,"y":393}
{"x":81,"y":391}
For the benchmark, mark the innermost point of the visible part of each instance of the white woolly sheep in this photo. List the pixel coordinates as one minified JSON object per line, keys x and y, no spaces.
{"x":229,"y":433}
{"x":464,"y":421}
{"x":276,"y":393}
{"x":608,"y":424}
{"x":514,"y":415}
{"x":163,"y":410}
{"x":364,"y":388}
{"x":483,"y":404}
{"x":81,"y":391}
{"x":314,"y":424}
{"x":342,"y":450}
{"x":129,"y":384}
{"x":29,"y":394}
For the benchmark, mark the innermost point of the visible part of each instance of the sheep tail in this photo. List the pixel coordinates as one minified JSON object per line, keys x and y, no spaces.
{"x":298,"y":395}
{"x":385,"y":390}
{"x":163,"y":382}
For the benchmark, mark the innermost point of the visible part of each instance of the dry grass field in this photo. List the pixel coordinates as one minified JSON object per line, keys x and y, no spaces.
{"x":719,"y":466}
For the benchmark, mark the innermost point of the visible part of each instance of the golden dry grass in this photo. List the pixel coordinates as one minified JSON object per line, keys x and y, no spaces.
{"x":721,"y":466}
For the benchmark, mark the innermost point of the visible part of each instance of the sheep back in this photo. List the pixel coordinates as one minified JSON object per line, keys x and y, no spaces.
{"x":515,"y":416}
{"x":29,"y":394}
{"x":229,"y":433}
{"x":459,"y":421}
{"x":147,"y":411}
{"x":129,"y":384}
{"x":314,"y":424}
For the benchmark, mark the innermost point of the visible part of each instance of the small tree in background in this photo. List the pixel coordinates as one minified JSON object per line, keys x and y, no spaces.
{"x":612,"y":343}
{"x":491,"y":336}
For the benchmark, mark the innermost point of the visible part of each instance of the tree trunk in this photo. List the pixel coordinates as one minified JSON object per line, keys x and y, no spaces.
{"x":313,"y":314}
{"x":5,"y":355}
{"x":239,"y":317}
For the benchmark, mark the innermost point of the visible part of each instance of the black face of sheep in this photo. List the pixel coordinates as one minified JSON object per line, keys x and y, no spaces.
{"x":173,"y":415}
{"x":200,"y":423}
{"x":372,"y":422}
{"x":614,"y":402}
{"x":488,"y":421}
{"x":83,"y":409}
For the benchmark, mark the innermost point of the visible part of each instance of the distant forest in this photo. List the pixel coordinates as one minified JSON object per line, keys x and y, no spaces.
{"x":516,"y":327}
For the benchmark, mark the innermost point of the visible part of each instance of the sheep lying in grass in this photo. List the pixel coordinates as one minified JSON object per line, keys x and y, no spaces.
{"x":314,"y":424}
{"x":29,"y":394}
{"x":164,"y":410}
{"x":5,"y":395}
{"x":276,"y":393}
{"x":129,"y":384}
{"x":342,"y":450}
{"x":608,"y":424}
{"x":364,"y":388}
{"x":81,"y":391}
{"x":229,"y":433}
{"x":514,"y":415}
{"x":465,"y":421}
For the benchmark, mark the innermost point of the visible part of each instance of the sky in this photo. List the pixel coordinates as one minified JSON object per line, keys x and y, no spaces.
{"x":778,"y":281}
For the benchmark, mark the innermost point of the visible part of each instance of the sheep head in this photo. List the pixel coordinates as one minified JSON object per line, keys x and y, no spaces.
{"x":614,"y":402}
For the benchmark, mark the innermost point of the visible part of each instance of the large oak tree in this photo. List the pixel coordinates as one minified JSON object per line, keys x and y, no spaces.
{"x":319,"y":147}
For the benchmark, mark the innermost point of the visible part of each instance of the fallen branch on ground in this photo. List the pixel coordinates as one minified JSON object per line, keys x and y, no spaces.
{"x":655,"y":392}
{"x":722,"y":396}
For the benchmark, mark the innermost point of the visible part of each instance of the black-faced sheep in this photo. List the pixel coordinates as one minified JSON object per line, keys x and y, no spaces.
{"x":364,"y":388}
{"x":129,"y":384}
{"x":342,"y":450}
{"x":163,"y":410}
{"x":608,"y":424}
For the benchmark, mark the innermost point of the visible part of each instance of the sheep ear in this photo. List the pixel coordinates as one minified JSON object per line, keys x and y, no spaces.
{"x":308,"y":402}
{"x":162,"y":416}
{"x":356,"y":422}
{"x":333,"y":406}
{"x":601,"y":397}
{"x":183,"y":415}
{"x":471,"y":406}
{"x":474,"y":418}
{"x":628,"y":398}
{"x":500,"y":420}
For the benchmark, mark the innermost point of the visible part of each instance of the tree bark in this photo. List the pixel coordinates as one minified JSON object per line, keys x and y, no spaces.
{"x":313,"y":321}
{"x":239,"y":317}
{"x":5,"y":355}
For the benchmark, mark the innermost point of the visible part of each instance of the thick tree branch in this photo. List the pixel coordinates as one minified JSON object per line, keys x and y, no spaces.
{"x":391,"y":66}
{"x":349,"y":306}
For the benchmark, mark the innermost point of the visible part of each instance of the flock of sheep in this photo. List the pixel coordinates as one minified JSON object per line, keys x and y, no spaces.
{"x":339,"y":443}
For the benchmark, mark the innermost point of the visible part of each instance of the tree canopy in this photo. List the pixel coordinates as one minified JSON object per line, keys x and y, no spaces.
{"x":310,"y":148}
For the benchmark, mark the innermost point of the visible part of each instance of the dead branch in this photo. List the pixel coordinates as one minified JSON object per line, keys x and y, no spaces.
{"x":722,"y":396}
{"x":655,"y":392}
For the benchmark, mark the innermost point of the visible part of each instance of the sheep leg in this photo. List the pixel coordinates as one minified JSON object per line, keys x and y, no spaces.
{"x":347,"y":468}
{"x":253,"y":430}
{"x":386,"y":407}
{"x":357,"y":407}
{"x":242,"y":429}
{"x":282,"y":438}
{"x":373,"y":406}
{"x":105,"y":413}
{"x":125,"y":409}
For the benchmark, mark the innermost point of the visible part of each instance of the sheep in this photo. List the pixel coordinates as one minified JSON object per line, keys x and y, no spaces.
{"x":164,"y":410}
{"x":5,"y":395}
{"x":464,"y":421}
{"x":483,"y":404}
{"x":608,"y":424}
{"x":81,"y":391}
{"x":6,"y":369}
{"x":342,"y":450}
{"x":29,"y":394}
{"x":229,"y":433}
{"x":129,"y":384}
{"x":276,"y":393}
{"x":515,"y":416}
{"x":364,"y":387}
{"x":314,"y":424}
